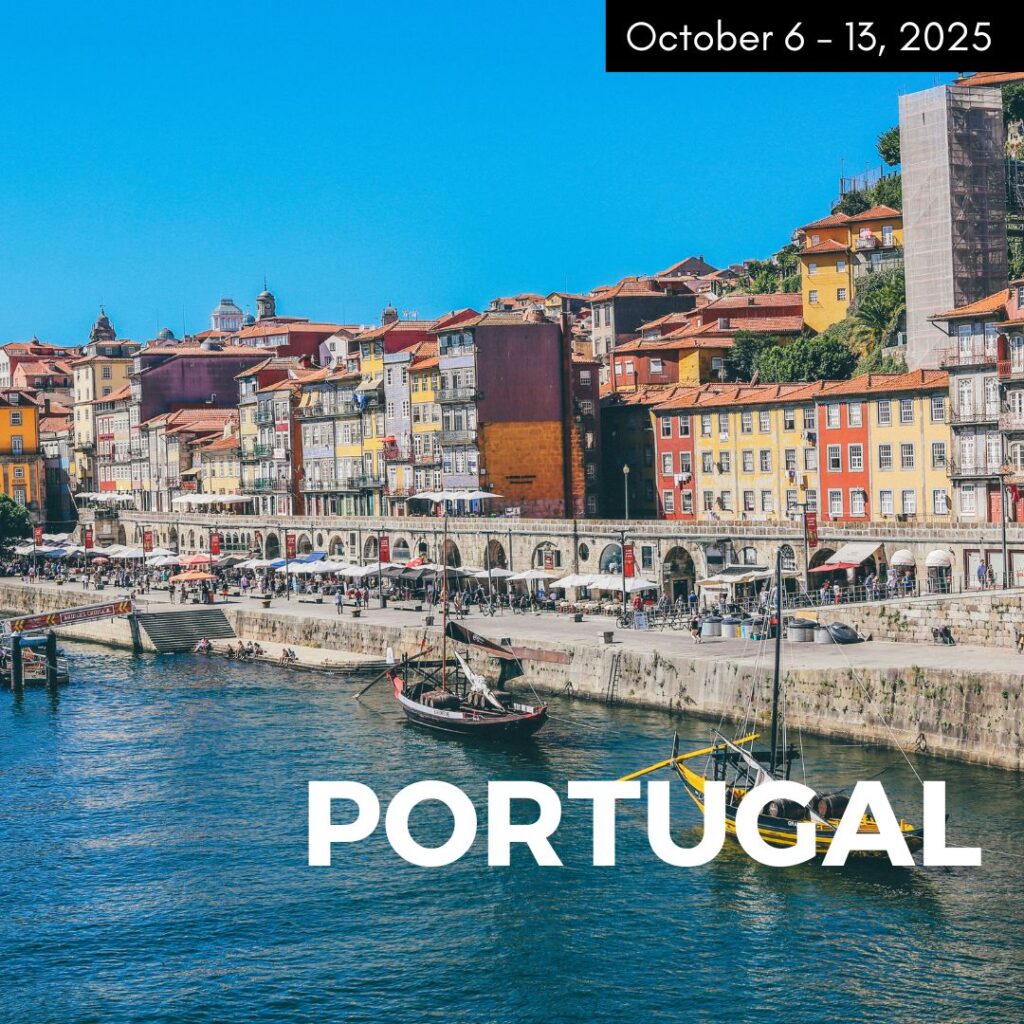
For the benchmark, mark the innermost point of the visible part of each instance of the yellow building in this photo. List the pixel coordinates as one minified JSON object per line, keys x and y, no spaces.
{"x":838,"y":251}
{"x":21,"y":460}
{"x":424,"y":383}
{"x":112,"y":455}
{"x":219,"y":463}
{"x":755,"y":457}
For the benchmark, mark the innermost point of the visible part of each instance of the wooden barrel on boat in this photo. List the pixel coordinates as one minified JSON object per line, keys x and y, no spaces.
{"x":784,"y":809}
{"x":831,"y":805}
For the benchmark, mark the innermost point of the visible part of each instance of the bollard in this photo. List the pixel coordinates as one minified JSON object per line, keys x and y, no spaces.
{"x":51,"y":658}
{"x":17,"y":669}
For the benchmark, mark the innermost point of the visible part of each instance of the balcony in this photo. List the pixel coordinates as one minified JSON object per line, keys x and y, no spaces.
{"x":428,"y":458}
{"x":396,"y":453}
{"x":963,"y":356}
{"x":866,"y":244}
{"x":962,"y":415}
{"x":367,"y":482}
{"x":1011,"y":369}
{"x":271,"y":483}
{"x":978,"y":469}
{"x":457,"y":437}
{"x":321,"y":485}
{"x":1011,"y":421}
{"x":264,"y":415}
{"x":311,"y":412}
{"x":450,"y":395}
{"x":257,"y":451}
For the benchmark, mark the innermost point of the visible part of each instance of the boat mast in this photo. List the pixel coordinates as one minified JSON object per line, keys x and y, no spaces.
{"x":444,"y":599}
{"x":778,"y":662}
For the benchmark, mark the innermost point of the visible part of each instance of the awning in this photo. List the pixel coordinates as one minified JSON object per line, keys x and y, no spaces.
{"x":835,"y":566}
{"x":939,"y":560}
{"x":903,"y":557}
{"x":855,"y":553}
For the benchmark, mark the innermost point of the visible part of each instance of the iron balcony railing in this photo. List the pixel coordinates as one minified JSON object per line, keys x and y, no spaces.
{"x":982,"y":467}
{"x":449,"y":395}
{"x":959,"y":415}
{"x":367,"y":481}
{"x":432,"y":458}
{"x":1011,"y":369}
{"x":1011,"y":420}
{"x":454,"y":437}
{"x":969,"y":355}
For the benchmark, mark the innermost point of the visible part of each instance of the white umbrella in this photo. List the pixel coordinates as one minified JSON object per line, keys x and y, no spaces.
{"x":573,"y":580}
{"x":161,"y":560}
{"x":161,"y":553}
{"x":497,"y":574}
{"x":607,"y":581}
{"x":534,"y":574}
{"x":127,"y":553}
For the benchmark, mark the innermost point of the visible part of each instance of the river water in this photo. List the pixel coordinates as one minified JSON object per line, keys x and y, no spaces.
{"x":153,"y":836}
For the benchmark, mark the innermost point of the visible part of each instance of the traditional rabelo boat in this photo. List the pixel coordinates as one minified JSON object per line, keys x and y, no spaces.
{"x":454,"y":698}
{"x":743,"y":767}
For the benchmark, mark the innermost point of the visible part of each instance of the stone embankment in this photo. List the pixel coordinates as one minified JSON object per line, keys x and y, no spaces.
{"x":965,"y":703}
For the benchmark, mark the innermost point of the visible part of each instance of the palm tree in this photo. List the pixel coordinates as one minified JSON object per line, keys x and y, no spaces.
{"x":878,"y":312}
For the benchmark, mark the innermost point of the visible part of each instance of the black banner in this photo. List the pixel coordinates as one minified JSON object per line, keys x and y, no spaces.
{"x":669,"y":37}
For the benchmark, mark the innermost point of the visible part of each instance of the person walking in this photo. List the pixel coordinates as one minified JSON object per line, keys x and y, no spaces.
{"x":338,"y":601}
{"x":695,"y":629}
{"x":982,"y":574}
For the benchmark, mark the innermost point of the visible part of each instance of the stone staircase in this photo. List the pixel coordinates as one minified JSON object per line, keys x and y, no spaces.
{"x":176,"y":631}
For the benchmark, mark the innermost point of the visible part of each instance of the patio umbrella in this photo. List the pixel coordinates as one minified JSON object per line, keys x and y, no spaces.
{"x":128,"y":553}
{"x":195,"y":560}
{"x":192,"y":577}
{"x":534,"y":574}
{"x":834,"y":567}
{"x":497,"y":574}
{"x":160,"y":553}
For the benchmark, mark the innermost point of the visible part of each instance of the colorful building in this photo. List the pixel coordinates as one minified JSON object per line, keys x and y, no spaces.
{"x":22,"y":466}
{"x":837,"y":252}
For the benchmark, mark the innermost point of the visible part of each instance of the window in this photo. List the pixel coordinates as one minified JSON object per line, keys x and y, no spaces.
{"x":835,"y":504}
{"x":764,"y":421}
{"x":705,"y":424}
{"x":938,"y":454}
{"x":840,"y":266}
{"x":668,"y":499}
{"x":685,"y":462}
{"x":585,"y":378}
{"x":17,"y":445}
{"x":906,"y":410}
{"x":628,"y":366}
{"x":748,"y":501}
{"x":835,"y":458}
{"x":938,"y":409}
{"x":657,"y":366}
{"x":789,"y":460}
{"x":940,"y":503}
{"x":746,"y":422}
{"x":789,"y":419}
{"x":723,"y":425}
{"x":666,"y":464}
{"x":885,"y":502}
{"x":906,"y":456}
{"x":586,"y":408}
{"x":791,"y":500}
{"x":686,"y":502}
{"x":910,"y":503}
{"x":832,"y":415}
{"x":707,"y":462}
{"x":708,"y":500}
{"x":767,"y":501}
{"x":812,"y":269}
{"x":666,"y":426}
{"x":853,"y":414}
{"x":726,"y":501}
{"x":105,"y":373}
{"x":968,"y":500}
{"x":884,"y":412}
{"x":684,"y":425}
{"x":725,"y":461}
{"x":15,"y":419}
{"x":885,"y":456}
{"x":810,"y":458}
{"x":809,"y":417}
{"x":747,"y":459}
{"x":856,"y":502}
{"x":841,"y":294}
{"x":856,"y":457}
{"x":811,"y":499}
{"x":764,"y":460}
{"x":812,"y":296}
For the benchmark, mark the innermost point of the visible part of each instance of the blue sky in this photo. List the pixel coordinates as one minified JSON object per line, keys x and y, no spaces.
{"x":430,"y":155}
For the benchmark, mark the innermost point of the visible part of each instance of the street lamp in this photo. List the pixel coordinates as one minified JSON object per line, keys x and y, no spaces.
{"x":625,"y":487}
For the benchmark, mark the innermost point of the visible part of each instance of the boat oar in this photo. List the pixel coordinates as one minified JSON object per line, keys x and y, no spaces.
{"x":703,"y":752}
{"x":377,"y":678}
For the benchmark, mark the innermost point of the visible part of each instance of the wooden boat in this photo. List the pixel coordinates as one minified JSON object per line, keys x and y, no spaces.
{"x":457,"y":699}
{"x":33,"y":662}
{"x":742,"y":767}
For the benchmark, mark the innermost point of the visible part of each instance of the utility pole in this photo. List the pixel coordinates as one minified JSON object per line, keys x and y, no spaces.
{"x":1002,"y":523}
{"x":625,"y":488}
{"x":622,"y":552}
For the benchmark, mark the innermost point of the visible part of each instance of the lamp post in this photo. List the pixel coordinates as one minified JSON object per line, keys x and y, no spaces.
{"x":1002,"y":524}
{"x":622,"y":560}
{"x":625,"y":488}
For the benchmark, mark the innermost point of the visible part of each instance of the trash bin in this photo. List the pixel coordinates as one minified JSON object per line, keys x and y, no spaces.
{"x":823,"y":636}
{"x":730,"y":627}
{"x":800,"y":631}
{"x":711,"y":626}
{"x":607,"y":635}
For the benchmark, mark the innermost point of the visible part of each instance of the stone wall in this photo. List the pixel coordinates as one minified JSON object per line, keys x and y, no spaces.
{"x":988,"y":619}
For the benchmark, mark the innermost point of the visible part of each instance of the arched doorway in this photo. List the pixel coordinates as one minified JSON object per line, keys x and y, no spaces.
{"x":172,"y":538}
{"x":122,"y":536}
{"x":821,"y":556}
{"x":494,"y":556}
{"x":452,"y":555}
{"x":422,"y":549}
{"x":611,"y":559}
{"x":400,"y":550}
{"x":337,"y":547}
{"x":678,"y":573}
{"x":370,"y":549}
{"x":748,"y":556}
{"x":546,"y":556}
{"x":788,"y":557}
{"x":305,"y":544}
{"x":272,"y":547}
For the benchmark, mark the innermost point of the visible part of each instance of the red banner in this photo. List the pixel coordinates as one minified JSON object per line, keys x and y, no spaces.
{"x":629,"y":556}
{"x":549,"y":559}
{"x":385,"y":549}
{"x":811,"y":529}
{"x":215,"y":543}
{"x":70,"y":616}
{"x":147,"y":541}
{"x":289,"y":545}
{"x":37,"y":535}
{"x":88,"y":538}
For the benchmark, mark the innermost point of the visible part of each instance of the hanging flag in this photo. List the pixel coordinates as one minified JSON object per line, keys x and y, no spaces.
{"x":289,"y":545}
{"x":215,"y":543}
{"x":385,"y":549}
{"x":147,"y":541}
{"x":37,"y":535}
{"x":811,"y":529}
{"x":629,"y":560}
{"x":88,"y":538}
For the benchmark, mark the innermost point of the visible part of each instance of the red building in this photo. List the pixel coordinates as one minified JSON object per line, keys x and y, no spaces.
{"x":842,"y":441}
{"x":673,"y":432}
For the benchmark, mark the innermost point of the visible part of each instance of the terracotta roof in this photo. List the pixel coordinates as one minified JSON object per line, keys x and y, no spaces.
{"x":887,"y":383}
{"x":506,"y":319}
{"x":875,"y":213}
{"x":635,"y":286}
{"x":36,"y":366}
{"x":196,"y":350}
{"x":123,"y":392}
{"x":198,"y":419}
{"x":54,"y":424}
{"x":825,"y":245}
{"x":995,"y":303}
{"x":395,"y":327}
{"x":266,"y":328}
{"x":747,"y":300}
{"x":222,"y":444}
{"x":669,"y":318}
{"x":991,"y":78}
{"x":834,"y":220}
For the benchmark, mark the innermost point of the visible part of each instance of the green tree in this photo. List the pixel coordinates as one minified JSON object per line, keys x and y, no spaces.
{"x":1013,"y":102}
{"x":878,"y":311}
{"x":854,"y":202}
{"x":889,"y":146}
{"x":880,"y":361}
{"x":747,"y":349}
{"x":888,"y":192}
{"x":14,"y":522}
{"x":1016,"y":258}
{"x":810,"y":357}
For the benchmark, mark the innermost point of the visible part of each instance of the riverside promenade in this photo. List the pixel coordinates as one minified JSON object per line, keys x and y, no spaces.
{"x":964,"y":702}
